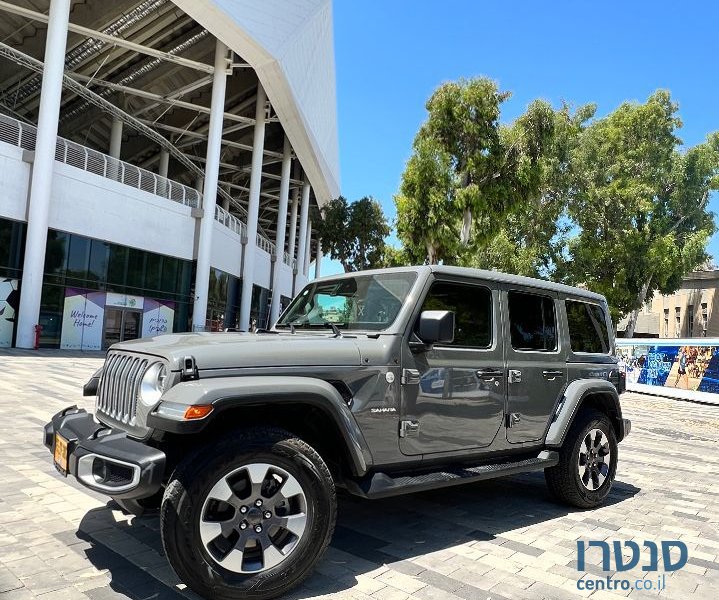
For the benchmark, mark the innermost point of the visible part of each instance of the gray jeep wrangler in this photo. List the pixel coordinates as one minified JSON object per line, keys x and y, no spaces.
{"x":377,"y":383}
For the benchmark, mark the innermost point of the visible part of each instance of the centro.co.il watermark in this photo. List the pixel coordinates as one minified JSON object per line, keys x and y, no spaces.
{"x":655,"y":558}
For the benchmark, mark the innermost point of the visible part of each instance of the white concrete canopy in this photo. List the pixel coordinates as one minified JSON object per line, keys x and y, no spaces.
{"x":289,"y":43}
{"x":134,"y":104}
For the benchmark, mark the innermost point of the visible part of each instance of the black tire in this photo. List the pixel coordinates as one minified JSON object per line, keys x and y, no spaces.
{"x":565,"y":481}
{"x":193,"y":481}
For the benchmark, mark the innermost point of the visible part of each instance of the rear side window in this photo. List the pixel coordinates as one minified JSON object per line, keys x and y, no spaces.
{"x":472,"y":308}
{"x":587,"y":327}
{"x":533,"y":323}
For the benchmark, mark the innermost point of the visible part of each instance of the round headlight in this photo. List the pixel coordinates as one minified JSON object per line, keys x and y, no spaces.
{"x":153,"y":383}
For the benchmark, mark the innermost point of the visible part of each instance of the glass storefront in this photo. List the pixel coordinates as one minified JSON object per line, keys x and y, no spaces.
{"x":12,"y":241}
{"x":223,"y":304}
{"x":97,"y":293}
{"x":260,"y":307}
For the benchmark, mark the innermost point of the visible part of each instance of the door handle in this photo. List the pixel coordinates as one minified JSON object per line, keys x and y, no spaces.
{"x":515,"y":376}
{"x":410,"y":377}
{"x":489,"y":373}
{"x":552,"y":375}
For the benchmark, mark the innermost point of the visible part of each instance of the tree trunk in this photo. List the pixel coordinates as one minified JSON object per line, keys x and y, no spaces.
{"x":466,"y":226}
{"x":431,"y":253}
{"x":632,"y":322}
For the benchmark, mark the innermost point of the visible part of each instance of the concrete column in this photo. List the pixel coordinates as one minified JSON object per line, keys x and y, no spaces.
{"x":291,"y":244}
{"x":42,"y":173}
{"x":304,"y":214}
{"x":212,"y":169}
{"x":318,"y":259}
{"x":253,"y":210}
{"x":116,"y":138}
{"x":308,"y":250}
{"x":280,"y":229}
{"x":164,"y":163}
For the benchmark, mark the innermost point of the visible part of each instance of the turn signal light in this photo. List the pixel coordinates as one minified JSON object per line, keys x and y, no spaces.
{"x":198,"y":411}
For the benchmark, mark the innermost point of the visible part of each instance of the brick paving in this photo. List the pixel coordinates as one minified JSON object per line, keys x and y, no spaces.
{"x":498,"y":539}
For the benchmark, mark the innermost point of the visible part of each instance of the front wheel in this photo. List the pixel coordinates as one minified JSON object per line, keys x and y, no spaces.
{"x":587,"y":462}
{"x":249,"y":516}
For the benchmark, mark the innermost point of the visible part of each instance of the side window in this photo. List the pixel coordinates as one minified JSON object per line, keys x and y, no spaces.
{"x":533,"y":323}
{"x":472,"y":307}
{"x":587,"y":327}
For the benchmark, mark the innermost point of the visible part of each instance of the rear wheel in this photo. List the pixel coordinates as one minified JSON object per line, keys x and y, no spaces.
{"x":587,"y":462}
{"x":249,"y":516}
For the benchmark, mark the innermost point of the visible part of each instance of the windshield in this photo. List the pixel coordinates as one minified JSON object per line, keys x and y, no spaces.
{"x":364,"y":302}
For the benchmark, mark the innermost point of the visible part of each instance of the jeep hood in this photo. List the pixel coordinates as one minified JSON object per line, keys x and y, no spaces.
{"x":233,"y":350}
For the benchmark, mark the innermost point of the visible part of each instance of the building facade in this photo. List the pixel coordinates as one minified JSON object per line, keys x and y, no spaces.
{"x":161,"y":164}
{"x":691,"y":312}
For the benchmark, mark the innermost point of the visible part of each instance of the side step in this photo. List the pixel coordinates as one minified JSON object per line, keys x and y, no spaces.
{"x":382,"y":485}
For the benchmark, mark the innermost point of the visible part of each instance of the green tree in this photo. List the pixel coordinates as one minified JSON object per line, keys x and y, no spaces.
{"x":467,"y":172}
{"x":533,"y":236}
{"x":353,"y":233}
{"x":426,"y":214}
{"x":639,"y":205}
{"x":395,"y":257}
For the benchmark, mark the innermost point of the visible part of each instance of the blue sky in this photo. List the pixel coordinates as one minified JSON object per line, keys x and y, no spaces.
{"x":391,"y":54}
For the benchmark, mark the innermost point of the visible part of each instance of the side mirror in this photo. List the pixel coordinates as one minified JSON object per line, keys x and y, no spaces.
{"x":436,"y":327}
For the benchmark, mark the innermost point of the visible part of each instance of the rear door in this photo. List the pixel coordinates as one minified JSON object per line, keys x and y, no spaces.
{"x":536,"y":361}
{"x":453,"y":395}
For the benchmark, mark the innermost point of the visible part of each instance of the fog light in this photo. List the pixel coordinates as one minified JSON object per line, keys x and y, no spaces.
{"x":198,"y":411}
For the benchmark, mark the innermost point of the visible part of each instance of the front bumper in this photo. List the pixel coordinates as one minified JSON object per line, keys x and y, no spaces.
{"x":104,"y":459}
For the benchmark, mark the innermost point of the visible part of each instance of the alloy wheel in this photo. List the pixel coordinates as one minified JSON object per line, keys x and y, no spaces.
{"x":594,"y":459}
{"x":253,"y":518}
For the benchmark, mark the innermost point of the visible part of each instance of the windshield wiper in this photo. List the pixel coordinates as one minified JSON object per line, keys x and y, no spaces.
{"x":335,"y":329}
{"x":293,"y":325}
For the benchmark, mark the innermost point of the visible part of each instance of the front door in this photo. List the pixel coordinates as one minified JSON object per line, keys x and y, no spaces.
{"x":536,"y":362}
{"x":453,"y":394}
{"x":121,"y":325}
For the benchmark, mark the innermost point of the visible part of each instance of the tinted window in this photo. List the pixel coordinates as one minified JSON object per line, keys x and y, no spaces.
{"x":587,"y":327}
{"x":99,"y":255}
{"x":169,"y":273}
{"x":532,"y":322}
{"x":77,"y":260}
{"x":117,"y":266}
{"x":153,"y":271}
{"x":58,"y":244}
{"x":12,"y":235}
{"x":472,"y":308}
{"x":136,"y":269}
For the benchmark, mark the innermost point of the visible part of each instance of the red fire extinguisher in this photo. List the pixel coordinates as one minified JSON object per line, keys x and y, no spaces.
{"x":38,"y":331}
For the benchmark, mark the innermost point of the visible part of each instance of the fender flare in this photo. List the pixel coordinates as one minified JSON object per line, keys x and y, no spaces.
{"x":225,"y":393}
{"x":574,"y":396}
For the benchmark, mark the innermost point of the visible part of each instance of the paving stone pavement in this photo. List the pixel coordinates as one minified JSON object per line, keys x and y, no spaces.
{"x":498,"y":539}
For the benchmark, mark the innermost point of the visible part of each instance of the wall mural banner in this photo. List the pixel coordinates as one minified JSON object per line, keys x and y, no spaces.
{"x":82,"y":320}
{"x":9,"y":302}
{"x":676,"y":366}
{"x":158,"y":317}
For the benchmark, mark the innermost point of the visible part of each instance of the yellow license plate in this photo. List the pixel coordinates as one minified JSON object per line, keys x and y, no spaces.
{"x":60,"y":454}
